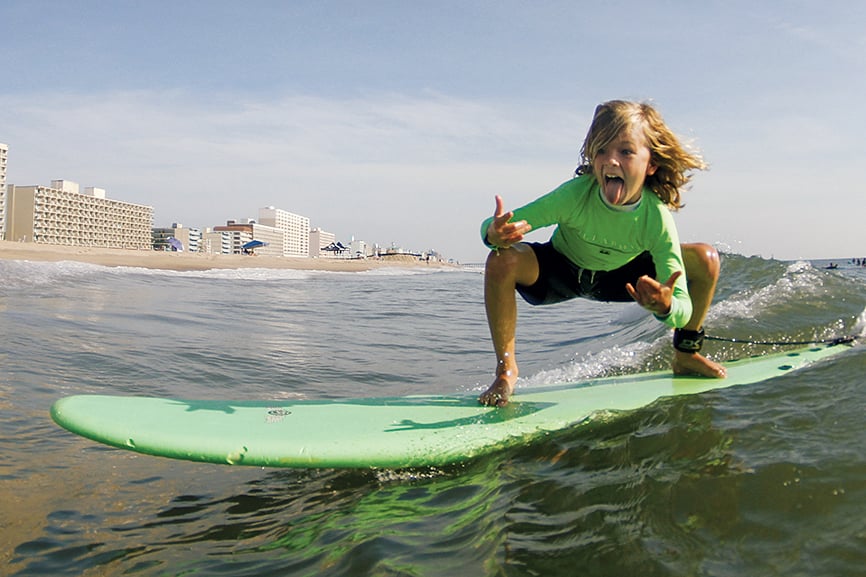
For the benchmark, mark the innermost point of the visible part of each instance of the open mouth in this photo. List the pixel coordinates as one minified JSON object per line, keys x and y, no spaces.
{"x":614,"y":188}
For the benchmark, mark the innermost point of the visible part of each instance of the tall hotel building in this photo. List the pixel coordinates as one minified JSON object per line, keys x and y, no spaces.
{"x":4,"y":151}
{"x":295,"y":228}
{"x":60,"y":214}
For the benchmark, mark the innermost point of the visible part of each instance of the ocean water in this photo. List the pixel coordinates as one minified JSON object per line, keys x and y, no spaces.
{"x":768,"y":479}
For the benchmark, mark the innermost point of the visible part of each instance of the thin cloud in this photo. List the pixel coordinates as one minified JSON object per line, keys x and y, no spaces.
{"x":385,"y":166}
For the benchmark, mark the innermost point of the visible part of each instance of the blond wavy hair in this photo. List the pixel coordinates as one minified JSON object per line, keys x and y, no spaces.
{"x":673,"y":161}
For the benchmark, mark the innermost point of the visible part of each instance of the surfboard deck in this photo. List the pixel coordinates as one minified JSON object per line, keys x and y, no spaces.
{"x":387,"y":432}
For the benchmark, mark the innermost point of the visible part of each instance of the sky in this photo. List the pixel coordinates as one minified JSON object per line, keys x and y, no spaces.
{"x":396,"y":122}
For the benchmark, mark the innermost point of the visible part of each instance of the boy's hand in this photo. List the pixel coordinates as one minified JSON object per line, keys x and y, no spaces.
{"x":653,"y":295}
{"x":502,"y":233}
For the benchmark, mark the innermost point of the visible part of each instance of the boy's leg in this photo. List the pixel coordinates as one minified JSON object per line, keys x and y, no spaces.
{"x":505,"y":269}
{"x":702,"y":270}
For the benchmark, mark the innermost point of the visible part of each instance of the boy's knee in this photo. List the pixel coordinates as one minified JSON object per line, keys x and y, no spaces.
{"x":702,"y":259}
{"x":501,"y":263}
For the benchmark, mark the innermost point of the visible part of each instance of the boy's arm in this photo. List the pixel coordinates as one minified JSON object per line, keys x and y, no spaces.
{"x":668,"y":259}
{"x":499,"y":232}
{"x":544,"y":211}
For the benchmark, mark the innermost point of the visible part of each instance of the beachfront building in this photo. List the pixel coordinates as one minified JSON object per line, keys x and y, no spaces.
{"x":320,"y":240}
{"x":185,"y":238}
{"x":360,"y":249}
{"x":60,"y":214}
{"x":240,"y":233}
{"x":4,"y":151}
{"x":295,"y":230}
{"x":160,"y":238}
{"x":215,"y":242}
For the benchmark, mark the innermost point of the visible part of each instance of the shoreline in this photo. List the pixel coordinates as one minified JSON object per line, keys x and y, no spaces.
{"x":188,"y":261}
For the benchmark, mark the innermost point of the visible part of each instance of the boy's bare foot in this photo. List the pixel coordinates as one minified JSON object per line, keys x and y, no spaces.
{"x":499,"y":392}
{"x":696,"y":364}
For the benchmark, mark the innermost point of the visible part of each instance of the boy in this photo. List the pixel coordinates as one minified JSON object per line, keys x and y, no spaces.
{"x":615,"y":237}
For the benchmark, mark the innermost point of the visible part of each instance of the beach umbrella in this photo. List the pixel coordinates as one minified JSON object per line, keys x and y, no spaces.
{"x":254,"y":244}
{"x":175,"y":244}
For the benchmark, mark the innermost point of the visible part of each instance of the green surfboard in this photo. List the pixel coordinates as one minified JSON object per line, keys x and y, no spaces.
{"x":392,"y":432}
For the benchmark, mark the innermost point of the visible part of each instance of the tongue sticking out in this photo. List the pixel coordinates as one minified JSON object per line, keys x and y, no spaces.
{"x":614,"y":190}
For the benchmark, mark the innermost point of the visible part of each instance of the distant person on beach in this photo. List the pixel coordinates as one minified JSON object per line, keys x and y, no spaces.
{"x":615,"y":241}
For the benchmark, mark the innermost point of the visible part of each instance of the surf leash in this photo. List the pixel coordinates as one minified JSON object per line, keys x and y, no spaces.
{"x":831,"y":342}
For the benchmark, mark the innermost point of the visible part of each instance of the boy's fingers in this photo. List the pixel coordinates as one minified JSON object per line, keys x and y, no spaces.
{"x":673,"y":280}
{"x":500,"y":207}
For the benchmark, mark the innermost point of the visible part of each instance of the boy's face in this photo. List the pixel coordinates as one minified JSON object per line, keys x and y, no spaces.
{"x":622,"y":166}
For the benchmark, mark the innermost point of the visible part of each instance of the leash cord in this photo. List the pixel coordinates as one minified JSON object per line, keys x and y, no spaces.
{"x":831,"y":342}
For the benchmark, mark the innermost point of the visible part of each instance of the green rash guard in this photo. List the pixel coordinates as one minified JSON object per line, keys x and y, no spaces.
{"x":597,"y":236}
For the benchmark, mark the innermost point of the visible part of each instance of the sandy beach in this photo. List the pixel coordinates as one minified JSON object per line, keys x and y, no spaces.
{"x":183,"y":261}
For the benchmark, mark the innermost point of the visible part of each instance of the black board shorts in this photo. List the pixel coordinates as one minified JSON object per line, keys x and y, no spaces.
{"x":560,"y":280}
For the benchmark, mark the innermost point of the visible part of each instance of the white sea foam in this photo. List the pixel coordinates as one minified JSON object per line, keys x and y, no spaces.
{"x":616,"y":359}
{"x":408,"y":271}
{"x":16,"y":274}
{"x":860,"y":325}
{"x":800,"y":279}
{"x":240,"y":274}
{"x":21,"y":274}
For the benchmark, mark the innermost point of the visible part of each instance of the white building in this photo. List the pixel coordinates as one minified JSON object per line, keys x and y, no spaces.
{"x":295,"y":229}
{"x":319,"y":239}
{"x":360,"y":249}
{"x":4,"y":151}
